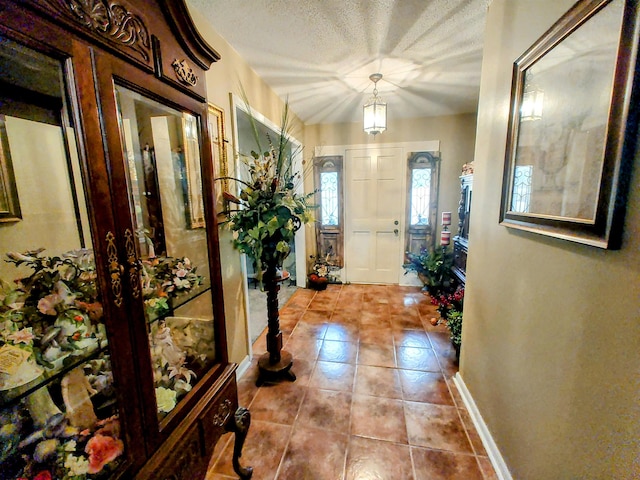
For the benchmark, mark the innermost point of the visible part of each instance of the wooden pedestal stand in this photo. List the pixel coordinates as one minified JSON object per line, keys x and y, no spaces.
{"x":276,"y":363}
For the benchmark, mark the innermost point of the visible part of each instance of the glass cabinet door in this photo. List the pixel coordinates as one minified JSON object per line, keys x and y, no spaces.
{"x":162,"y":154}
{"x":58,"y":410}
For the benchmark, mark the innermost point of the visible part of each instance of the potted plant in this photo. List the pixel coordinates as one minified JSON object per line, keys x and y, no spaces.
{"x":433,"y":269}
{"x":265,"y":215}
{"x":450,"y":307}
{"x":322,"y":271}
{"x":269,"y":209}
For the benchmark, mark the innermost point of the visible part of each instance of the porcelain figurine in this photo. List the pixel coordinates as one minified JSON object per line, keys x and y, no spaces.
{"x":76,"y":394}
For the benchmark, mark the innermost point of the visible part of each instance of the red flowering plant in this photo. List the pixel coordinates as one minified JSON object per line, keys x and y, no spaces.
{"x":448,"y":302}
{"x":450,"y":309}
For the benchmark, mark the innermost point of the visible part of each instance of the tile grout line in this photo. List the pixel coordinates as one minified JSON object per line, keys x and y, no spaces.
{"x":441,"y":361}
{"x":295,"y":418}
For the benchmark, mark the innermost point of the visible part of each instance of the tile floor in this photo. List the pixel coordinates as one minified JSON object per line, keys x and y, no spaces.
{"x":374,"y":398}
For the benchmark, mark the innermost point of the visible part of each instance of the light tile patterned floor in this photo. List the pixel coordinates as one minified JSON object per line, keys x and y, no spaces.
{"x":374,"y":398}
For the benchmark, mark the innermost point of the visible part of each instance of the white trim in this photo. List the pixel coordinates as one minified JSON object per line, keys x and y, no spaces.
{"x":499,"y":465}
{"x":243,"y":367}
{"x":410,"y":279}
{"x":243,"y":265}
{"x":426,"y":146}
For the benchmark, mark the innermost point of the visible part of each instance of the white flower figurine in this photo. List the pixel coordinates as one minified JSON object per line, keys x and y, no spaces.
{"x":77,"y":466}
{"x":22,"y":336}
{"x":166,"y":399}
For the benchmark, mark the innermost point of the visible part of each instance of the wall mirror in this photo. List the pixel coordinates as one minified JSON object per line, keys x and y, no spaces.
{"x":571,"y":137}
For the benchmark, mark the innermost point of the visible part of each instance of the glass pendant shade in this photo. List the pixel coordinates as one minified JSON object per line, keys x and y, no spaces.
{"x":375,"y":111}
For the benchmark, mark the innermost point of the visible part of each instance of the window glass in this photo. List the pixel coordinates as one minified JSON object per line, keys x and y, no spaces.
{"x":420,"y":195}
{"x":522,"y":188}
{"x":329,"y":198}
{"x":162,"y":151}
{"x":58,"y":408}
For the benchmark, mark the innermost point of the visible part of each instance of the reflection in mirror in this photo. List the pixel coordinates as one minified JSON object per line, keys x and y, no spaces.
{"x":563,"y":123}
{"x":57,"y":398}
{"x":162,"y":155}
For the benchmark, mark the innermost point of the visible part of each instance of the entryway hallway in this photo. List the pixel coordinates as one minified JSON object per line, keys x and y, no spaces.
{"x":374,"y":396}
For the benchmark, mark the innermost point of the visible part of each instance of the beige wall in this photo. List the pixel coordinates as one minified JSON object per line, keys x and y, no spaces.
{"x":229,"y":75}
{"x":456,"y":134}
{"x":550,"y":340}
{"x":46,"y":202}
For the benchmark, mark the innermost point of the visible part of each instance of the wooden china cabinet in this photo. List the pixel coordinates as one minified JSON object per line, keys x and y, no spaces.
{"x":113,"y":355}
{"x":461,"y":240}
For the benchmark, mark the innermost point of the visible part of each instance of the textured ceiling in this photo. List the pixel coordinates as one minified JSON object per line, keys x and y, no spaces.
{"x":320,"y":53}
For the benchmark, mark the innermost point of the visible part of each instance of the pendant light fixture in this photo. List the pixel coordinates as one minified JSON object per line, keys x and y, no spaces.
{"x":375,"y":110}
{"x":532,"y":102}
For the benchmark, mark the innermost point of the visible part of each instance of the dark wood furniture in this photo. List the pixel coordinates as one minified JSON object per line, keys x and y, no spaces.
{"x":276,"y":363}
{"x":461,"y":240}
{"x":126,"y":371}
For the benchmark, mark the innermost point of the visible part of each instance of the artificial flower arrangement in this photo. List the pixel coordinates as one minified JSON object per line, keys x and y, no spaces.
{"x":165,"y":278}
{"x":75,"y":454}
{"x":51,"y":314}
{"x":56,"y":449}
{"x":54,"y":318}
{"x":322,"y":269}
{"x":268,"y":209}
{"x":171,"y":374}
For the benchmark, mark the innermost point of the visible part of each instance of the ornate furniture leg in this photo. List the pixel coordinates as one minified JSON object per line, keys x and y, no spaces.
{"x":240,"y":426}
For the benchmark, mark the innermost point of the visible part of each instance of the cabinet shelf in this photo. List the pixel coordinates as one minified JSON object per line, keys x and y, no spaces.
{"x":180,"y":301}
{"x":13,"y":396}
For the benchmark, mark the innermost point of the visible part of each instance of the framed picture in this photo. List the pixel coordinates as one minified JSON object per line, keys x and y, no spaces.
{"x":219,"y":146}
{"x":572,"y":126}
{"x":9,"y":203}
{"x":195,"y":202}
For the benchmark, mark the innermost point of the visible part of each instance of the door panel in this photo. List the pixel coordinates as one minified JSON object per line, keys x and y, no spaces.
{"x":374,"y":198}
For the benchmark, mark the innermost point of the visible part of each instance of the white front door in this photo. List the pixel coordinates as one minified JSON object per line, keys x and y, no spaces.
{"x":374,"y":214}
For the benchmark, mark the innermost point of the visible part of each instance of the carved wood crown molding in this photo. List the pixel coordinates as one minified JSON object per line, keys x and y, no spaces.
{"x":110,"y":20}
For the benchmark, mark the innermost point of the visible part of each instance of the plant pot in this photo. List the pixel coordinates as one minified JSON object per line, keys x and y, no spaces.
{"x":457,"y":349}
{"x":317,"y":283}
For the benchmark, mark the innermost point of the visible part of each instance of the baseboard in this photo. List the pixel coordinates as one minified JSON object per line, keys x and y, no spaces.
{"x":499,"y":465}
{"x":243,"y":367}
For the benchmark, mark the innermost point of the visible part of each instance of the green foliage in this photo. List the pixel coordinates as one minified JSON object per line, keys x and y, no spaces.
{"x":58,"y":286}
{"x":454,"y":324}
{"x":270,"y":210}
{"x":434,"y":268}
